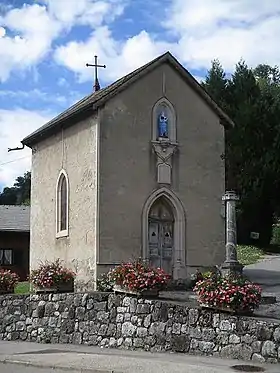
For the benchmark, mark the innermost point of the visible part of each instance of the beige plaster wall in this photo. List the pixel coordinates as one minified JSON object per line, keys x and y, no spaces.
{"x":74,"y":150}
{"x":128,"y":170}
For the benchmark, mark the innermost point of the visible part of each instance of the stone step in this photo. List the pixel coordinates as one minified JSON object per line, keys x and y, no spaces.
{"x":268,"y":298}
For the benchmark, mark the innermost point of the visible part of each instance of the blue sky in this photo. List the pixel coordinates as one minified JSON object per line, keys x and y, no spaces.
{"x":45,"y":44}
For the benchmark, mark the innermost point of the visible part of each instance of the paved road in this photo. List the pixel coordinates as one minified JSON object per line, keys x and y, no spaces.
{"x":96,"y":360}
{"x":14,"y":368}
{"x":266,"y":273}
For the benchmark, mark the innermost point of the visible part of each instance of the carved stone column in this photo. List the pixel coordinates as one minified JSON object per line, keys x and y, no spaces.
{"x":231,"y":264}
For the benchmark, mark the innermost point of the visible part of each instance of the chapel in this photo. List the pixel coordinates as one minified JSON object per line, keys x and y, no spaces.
{"x":132,"y":170}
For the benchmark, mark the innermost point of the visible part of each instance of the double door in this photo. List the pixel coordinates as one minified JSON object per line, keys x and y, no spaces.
{"x":161,"y":244}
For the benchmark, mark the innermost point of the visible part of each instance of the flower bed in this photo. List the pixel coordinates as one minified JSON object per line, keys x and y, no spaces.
{"x":8,"y":280}
{"x":138,"y":277}
{"x":52,"y":276}
{"x":232,"y":293}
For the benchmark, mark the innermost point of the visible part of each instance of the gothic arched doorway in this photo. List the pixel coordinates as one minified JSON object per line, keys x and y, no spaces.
{"x":161,"y":228}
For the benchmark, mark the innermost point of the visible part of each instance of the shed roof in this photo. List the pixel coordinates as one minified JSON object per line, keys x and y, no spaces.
{"x":14,"y":218}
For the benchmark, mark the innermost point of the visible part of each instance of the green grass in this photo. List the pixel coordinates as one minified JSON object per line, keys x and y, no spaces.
{"x":249,"y":254}
{"x":22,"y":288}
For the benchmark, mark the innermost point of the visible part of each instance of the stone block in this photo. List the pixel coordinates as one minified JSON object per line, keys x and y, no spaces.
{"x":103,"y":330}
{"x":234,"y":339}
{"x":138,"y":342}
{"x":147,"y":321}
{"x":263,"y":332}
{"x":80,"y":313}
{"x":128,"y":329}
{"x":127,"y":342}
{"x":142,"y":332}
{"x":256,"y":346}
{"x":269,"y":349}
{"x":208,"y":334}
{"x":257,"y":358}
{"x":100,"y":306}
{"x":157,"y":328}
{"x":176,"y":329}
{"x":180,"y":343}
{"x":102,"y":316}
{"x":77,"y":338}
{"x":143,"y":308}
{"x":206,"y":347}
{"x":193,"y":316}
{"x":225,"y":325}
{"x":276,"y":335}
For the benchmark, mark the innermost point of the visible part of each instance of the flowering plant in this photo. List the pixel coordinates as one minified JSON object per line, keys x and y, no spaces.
{"x":195,"y":277}
{"x":50,"y":274}
{"x":139,"y":276}
{"x":104,"y":282}
{"x":233,"y":291}
{"x":8,"y":280}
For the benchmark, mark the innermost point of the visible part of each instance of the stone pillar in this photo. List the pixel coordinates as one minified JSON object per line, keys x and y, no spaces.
{"x":231,"y":264}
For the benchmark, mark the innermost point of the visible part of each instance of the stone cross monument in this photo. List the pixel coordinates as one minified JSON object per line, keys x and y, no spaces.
{"x":231,"y":264}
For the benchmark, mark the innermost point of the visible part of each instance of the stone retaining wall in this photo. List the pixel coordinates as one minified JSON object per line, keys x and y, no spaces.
{"x":118,"y":321}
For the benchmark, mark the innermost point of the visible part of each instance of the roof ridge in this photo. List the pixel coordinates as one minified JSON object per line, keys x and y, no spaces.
{"x":96,"y":99}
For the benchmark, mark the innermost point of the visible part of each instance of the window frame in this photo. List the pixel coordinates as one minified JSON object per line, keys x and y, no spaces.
{"x":12,"y":257}
{"x":62,"y":232}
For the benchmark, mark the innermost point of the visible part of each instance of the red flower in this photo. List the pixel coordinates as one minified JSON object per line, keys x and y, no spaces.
{"x":138,"y":276}
{"x":234,"y":291}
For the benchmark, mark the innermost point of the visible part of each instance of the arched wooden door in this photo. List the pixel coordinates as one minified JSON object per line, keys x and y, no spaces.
{"x":161,"y":228}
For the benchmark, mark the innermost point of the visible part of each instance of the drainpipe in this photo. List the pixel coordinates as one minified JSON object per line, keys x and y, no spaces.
{"x":18,"y":148}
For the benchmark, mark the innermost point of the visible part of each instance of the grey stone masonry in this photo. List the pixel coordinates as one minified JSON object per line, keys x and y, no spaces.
{"x":118,"y":321}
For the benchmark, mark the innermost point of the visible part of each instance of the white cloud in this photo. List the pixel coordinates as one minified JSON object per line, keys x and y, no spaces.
{"x":27,"y":33}
{"x":44,"y":97}
{"x":228,"y":30}
{"x":14,"y":126}
{"x":84,"y":12}
{"x":34,"y":31}
{"x":200,"y":30}
{"x":120,"y":57}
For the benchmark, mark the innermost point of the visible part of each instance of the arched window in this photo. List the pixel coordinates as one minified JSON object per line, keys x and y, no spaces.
{"x":62,"y":205}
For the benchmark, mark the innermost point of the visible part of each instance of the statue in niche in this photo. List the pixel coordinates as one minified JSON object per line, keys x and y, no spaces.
{"x":162,"y":125}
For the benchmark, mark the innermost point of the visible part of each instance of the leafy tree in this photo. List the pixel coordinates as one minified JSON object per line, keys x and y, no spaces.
{"x":216,"y":84}
{"x":19,"y":193}
{"x":252,"y":100}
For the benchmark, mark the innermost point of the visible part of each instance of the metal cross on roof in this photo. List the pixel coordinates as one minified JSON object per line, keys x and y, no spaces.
{"x":96,"y":86}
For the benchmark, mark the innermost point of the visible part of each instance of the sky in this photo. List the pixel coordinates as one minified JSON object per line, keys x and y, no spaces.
{"x":45,"y":44}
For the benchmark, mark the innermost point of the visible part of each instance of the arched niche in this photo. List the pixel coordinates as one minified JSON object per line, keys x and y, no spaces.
{"x":164,"y":112}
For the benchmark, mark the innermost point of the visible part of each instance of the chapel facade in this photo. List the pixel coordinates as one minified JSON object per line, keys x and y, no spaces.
{"x":133,"y":170}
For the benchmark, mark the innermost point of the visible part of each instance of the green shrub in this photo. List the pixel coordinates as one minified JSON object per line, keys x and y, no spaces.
{"x":207,"y":274}
{"x":23,"y":288}
{"x":275,"y":240}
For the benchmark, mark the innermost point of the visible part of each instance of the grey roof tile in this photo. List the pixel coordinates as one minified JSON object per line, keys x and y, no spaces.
{"x":14,"y":218}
